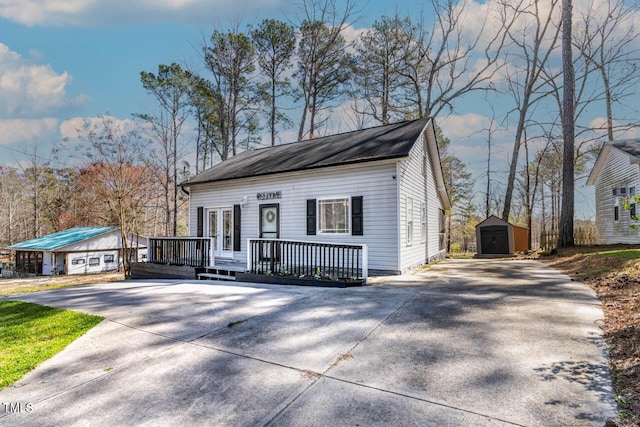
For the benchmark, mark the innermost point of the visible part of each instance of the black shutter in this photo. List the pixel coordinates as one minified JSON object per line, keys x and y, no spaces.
{"x":200,"y":222}
{"x":237,"y":244}
{"x":357,"y":228}
{"x":311,"y":217}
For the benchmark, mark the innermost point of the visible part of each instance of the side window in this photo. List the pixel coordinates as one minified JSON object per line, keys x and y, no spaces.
{"x":108,"y":258}
{"x":94,"y":261}
{"x":616,"y":213}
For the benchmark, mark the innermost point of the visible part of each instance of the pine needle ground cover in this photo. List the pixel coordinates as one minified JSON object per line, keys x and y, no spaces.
{"x":32,"y":333}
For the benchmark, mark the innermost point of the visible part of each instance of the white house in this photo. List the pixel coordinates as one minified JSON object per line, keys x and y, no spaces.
{"x":381,"y":187}
{"x":77,"y":250}
{"x":616,"y":177}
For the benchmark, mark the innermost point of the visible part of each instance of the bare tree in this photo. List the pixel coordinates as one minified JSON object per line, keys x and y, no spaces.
{"x":444,"y":62}
{"x":117,"y":176}
{"x":531,"y":46}
{"x":607,"y":40}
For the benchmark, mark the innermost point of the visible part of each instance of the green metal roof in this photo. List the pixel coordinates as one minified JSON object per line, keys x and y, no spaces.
{"x":60,"y":239}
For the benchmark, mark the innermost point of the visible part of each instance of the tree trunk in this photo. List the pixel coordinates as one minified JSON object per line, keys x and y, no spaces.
{"x":565,"y":237}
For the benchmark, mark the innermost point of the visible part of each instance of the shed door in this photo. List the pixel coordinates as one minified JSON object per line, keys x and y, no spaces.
{"x":495,"y":239}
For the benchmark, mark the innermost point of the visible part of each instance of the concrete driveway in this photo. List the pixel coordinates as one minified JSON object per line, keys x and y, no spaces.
{"x":468,"y":342}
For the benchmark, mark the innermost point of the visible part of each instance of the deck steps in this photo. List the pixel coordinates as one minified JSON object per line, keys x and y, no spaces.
{"x":215,"y":276}
{"x":220,"y":271}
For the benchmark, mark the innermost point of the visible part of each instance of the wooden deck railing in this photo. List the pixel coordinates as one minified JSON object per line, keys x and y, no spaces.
{"x":187,"y":251}
{"x":307,"y":259}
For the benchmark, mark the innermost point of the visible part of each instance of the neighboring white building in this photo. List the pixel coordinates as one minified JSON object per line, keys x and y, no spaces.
{"x":77,"y":250}
{"x":381,"y":186}
{"x":616,"y":176}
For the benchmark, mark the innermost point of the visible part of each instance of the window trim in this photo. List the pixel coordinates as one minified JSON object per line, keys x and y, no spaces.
{"x":319,"y":202}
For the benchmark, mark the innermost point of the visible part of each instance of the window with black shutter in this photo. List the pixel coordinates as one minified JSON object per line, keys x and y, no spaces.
{"x":357,"y":226}
{"x":200,"y":230}
{"x":311,"y":217}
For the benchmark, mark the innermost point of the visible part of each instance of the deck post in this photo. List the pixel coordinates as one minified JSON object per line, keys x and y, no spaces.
{"x":249,"y":255}
{"x":365,"y":263}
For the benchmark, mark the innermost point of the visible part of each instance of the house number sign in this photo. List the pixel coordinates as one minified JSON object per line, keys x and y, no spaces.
{"x":270,"y":195}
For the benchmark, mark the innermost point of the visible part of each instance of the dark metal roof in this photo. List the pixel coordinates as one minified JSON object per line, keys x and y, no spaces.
{"x":629,"y":146}
{"x":378,"y":143}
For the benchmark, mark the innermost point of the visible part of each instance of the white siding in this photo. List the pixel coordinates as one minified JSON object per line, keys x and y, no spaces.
{"x":618,"y":171}
{"x":421,"y":188}
{"x":84,"y":267}
{"x":376,"y":182}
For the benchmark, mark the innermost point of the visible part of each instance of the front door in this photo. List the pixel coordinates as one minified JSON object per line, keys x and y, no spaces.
{"x":270,"y":221}
{"x":269,"y":228}
{"x":221,"y":232}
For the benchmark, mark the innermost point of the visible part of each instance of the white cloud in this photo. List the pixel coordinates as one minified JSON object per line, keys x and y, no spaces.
{"x":16,"y":130}
{"x":102,"y":12}
{"x":463,"y":126}
{"x":31,"y":89}
{"x":74,"y":128}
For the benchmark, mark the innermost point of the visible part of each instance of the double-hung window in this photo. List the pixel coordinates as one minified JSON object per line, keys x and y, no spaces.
{"x":409,"y":221}
{"x":333,"y":216}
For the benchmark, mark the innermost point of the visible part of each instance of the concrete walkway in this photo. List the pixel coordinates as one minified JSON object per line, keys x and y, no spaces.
{"x":468,"y":342}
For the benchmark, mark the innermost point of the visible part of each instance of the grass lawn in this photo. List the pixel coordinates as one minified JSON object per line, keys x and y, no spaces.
{"x":614,"y":273}
{"x":32,"y":333}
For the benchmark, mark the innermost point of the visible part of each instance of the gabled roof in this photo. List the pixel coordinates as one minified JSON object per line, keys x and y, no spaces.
{"x":492,"y":220}
{"x":62,"y":238}
{"x":372,"y":144}
{"x":631,"y":147}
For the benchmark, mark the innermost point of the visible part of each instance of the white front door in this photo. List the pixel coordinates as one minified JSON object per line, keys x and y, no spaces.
{"x":221,"y":232}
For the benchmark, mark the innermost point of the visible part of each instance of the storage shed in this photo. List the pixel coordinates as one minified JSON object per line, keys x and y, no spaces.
{"x":495,"y":236}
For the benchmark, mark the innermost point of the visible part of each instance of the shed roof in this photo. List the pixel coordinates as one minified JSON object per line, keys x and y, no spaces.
{"x":493,"y":220}
{"x":377,"y":143}
{"x":62,"y":238}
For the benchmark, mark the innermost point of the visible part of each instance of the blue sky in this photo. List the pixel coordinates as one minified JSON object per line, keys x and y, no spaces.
{"x":64,"y":61}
